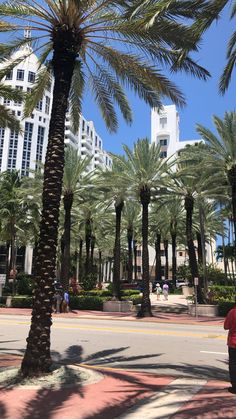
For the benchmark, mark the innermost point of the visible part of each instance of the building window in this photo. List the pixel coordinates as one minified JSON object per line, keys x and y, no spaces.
{"x":163,"y":122}
{"x":9,"y":75}
{"x":163,"y":154}
{"x":31,"y":77}
{"x":83,"y":124}
{"x":88,"y":130}
{"x":180,"y":253}
{"x":18,"y":113}
{"x":163,"y":142}
{"x":18,"y":103}
{"x":106,"y":161}
{"x":100,"y":144}
{"x":7,"y":102}
{"x":27,"y":148}
{"x":39,"y":105}
{"x":162,"y":252}
{"x":139,"y":253}
{"x":40,"y":139}
{"x":29,"y":90}
{"x":47,"y":105}
{"x":12,"y":151}
{"x":2,"y":135}
{"x":20,"y":75}
{"x":96,"y":141}
{"x":139,"y":269}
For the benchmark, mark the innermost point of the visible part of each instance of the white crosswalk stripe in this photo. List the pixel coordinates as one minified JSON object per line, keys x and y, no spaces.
{"x":167,"y":402}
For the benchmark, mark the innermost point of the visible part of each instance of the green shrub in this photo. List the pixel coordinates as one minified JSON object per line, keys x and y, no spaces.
{"x":3,"y":301}
{"x":224,"y":307}
{"x":21,"y":302}
{"x":25,"y":284}
{"x":99,"y":293}
{"x":129,"y":292}
{"x":87,"y":302}
{"x":135,"y":298}
{"x":223,"y":292}
{"x":89,"y":281}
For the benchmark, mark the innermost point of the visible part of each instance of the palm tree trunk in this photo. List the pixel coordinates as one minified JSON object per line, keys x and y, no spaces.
{"x":166,"y":259}
{"x":37,"y":358}
{"x":130,"y":256}
{"x":88,"y":234}
{"x":145,"y":310}
{"x":65,"y":265}
{"x":158,"y":257}
{"x":135,"y":260}
{"x":92,"y":251}
{"x":116,"y":269}
{"x":99,"y":269}
{"x":199,"y":248}
{"x":80,"y":259}
{"x":189,"y":201}
{"x":174,"y":264}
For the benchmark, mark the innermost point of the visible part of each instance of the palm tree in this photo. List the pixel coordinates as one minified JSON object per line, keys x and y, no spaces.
{"x":70,"y":37}
{"x":12,"y":212}
{"x":143,"y":168}
{"x":75,"y":180}
{"x":222,"y":152}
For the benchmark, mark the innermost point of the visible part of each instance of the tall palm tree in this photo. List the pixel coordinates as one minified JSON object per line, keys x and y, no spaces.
{"x":75,"y":180}
{"x":12,"y":211}
{"x":143,"y":168}
{"x":79,"y":42}
{"x":222,"y":152}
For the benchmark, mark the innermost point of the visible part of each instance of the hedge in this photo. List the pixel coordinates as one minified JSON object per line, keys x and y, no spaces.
{"x":224,"y":307}
{"x":21,"y":302}
{"x":223,"y":292}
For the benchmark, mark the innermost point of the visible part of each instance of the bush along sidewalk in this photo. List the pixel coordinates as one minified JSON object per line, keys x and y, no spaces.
{"x":86,"y":300}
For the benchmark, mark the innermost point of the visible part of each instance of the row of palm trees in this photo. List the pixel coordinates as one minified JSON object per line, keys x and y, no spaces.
{"x":101,"y":45}
{"x":170,"y":192}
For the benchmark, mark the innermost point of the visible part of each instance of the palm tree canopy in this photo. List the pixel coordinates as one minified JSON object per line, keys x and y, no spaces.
{"x":143,"y":168}
{"x":222,"y":146}
{"x":112,"y":48}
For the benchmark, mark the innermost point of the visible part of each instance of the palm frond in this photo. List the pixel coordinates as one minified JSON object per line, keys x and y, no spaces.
{"x":76,"y":95}
{"x":43,"y":81}
{"x":7,"y":120}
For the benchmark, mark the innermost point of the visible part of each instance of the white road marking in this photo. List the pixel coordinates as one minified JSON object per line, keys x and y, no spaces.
{"x":167,"y":402}
{"x":217,"y":353}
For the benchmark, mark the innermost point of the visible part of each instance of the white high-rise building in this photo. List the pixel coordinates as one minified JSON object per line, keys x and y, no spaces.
{"x":22,"y":150}
{"x":165,"y":131}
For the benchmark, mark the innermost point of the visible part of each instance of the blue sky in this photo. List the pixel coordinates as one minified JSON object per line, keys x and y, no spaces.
{"x":203,"y":99}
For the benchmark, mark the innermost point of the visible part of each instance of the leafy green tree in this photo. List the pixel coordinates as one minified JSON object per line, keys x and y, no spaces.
{"x":70,"y":36}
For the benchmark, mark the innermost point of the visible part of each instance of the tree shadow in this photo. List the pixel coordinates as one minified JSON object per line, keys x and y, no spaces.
{"x":45,"y":402}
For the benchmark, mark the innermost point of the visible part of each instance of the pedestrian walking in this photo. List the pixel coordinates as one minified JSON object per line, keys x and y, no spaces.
{"x":65,"y":302}
{"x":158,"y":291}
{"x":57,"y":300}
{"x":230,"y":325}
{"x":165,"y":291}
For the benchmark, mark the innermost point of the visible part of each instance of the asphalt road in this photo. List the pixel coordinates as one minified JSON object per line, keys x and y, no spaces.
{"x":174,"y":349}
